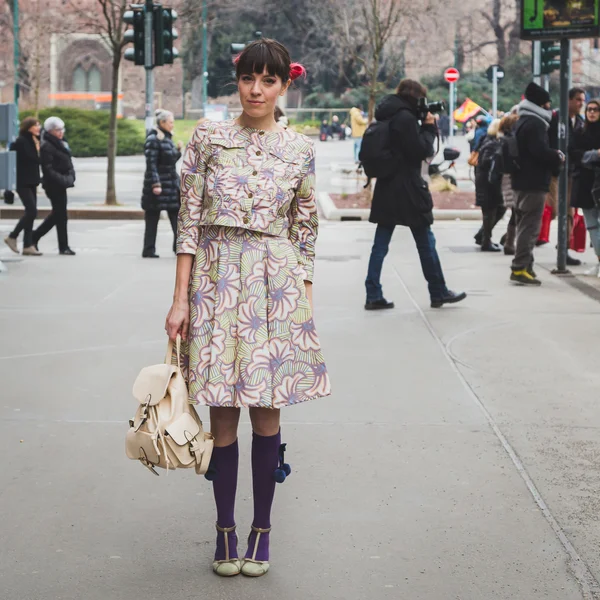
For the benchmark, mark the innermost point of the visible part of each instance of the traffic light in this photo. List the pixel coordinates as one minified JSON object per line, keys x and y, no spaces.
{"x":135,"y":35}
{"x":164,"y":35}
{"x":550,"y":60}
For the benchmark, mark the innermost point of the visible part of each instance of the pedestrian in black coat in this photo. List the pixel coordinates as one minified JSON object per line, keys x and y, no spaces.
{"x":488,"y":191}
{"x":586,"y":175}
{"x":404,"y":198}
{"x":161,"y":181}
{"x":27,"y":147}
{"x":58,"y":176}
{"x":538,"y":161}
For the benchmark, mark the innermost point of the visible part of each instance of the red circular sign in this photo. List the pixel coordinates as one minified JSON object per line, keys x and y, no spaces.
{"x":451,"y":75}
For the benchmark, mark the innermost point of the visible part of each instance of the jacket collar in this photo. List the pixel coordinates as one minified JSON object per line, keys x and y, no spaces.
{"x":60,"y":144}
{"x":529,"y":109}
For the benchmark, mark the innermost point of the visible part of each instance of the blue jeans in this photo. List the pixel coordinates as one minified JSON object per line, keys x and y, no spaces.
{"x":430,"y":261}
{"x":357,"y":145}
{"x":592,"y":222}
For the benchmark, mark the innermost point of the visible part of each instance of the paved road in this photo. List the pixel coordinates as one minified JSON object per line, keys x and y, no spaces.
{"x":457,"y":459}
{"x":333,"y":157}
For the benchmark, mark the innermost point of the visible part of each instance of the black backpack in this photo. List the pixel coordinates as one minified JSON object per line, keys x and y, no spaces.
{"x":506,"y":159}
{"x":376,"y":156}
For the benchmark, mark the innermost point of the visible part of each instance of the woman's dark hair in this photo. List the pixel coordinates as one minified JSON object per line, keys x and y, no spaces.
{"x":411,"y":89}
{"x":27,"y":124}
{"x":597,"y":104}
{"x":278,"y":113}
{"x":264,"y":54}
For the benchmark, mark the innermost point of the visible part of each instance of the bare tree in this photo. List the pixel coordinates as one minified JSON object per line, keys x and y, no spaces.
{"x":111,"y":26}
{"x":502,"y":16}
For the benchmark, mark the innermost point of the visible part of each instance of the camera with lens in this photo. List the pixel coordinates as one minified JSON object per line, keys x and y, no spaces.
{"x":424,"y":107}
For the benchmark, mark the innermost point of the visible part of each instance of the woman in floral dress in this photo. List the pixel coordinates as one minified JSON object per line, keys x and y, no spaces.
{"x":243,"y":293}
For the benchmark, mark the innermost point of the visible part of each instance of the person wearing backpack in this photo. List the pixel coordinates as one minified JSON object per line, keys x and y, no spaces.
{"x":488,"y":188}
{"x":402,"y":197}
{"x":538,"y":161}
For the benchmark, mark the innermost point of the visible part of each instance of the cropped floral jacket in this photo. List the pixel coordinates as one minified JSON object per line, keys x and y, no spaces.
{"x":263,"y":181}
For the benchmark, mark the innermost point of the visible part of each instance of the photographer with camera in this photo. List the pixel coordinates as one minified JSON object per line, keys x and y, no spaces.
{"x":403,"y":197}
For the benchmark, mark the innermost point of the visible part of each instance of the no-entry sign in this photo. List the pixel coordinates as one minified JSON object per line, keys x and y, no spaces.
{"x":451,"y":75}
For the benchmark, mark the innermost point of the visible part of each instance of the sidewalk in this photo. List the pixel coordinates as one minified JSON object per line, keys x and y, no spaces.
{"x":418,"y":479}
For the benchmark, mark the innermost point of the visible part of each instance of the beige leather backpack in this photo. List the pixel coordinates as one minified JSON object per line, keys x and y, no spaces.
{"x":166,"y":431}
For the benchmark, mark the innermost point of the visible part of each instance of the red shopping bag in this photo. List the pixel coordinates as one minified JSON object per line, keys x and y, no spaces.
{"x":579,"y":236}
{"x":544,"y":236}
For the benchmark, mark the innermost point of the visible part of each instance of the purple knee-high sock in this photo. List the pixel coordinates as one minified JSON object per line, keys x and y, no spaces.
{"x":265,"y":459}
{"x":225,"y":462}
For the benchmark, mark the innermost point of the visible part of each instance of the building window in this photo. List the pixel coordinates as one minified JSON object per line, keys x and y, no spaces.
{"x":87,"y":81}
{"x":79,"y":80}
{"x":94,"y":80}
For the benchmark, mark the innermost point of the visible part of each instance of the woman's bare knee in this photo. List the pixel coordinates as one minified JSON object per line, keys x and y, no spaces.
{"x":224,"y":425}
{"x":265,"y":421}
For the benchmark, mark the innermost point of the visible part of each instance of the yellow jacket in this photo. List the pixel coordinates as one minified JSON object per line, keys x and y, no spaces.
{"x":358,"y":123}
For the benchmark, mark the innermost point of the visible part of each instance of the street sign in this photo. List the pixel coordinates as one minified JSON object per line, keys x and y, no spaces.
{"x":451,"y":75}
{"x":499,"y":73}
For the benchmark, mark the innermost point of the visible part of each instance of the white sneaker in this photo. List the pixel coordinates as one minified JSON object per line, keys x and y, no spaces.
{"x":12,"y":244}
{"x":594,"y":271}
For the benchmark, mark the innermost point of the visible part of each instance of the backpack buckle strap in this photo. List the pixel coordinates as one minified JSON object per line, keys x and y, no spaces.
{"x":144,"y":414}
{"x":196,"y":450}
{"x":144,"y":460}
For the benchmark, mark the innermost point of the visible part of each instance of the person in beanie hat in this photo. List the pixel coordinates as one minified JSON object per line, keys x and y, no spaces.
{"x":538,"y":162}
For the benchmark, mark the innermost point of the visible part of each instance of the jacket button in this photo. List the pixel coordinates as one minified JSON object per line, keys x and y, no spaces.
{"x":254,"y":173}
{"x":261,"y":133}
{"x":250,"y":195}
{"x":246,"y":220}
{"x":258,"y":153}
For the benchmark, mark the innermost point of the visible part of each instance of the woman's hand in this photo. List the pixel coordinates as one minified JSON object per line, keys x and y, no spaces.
{"x":178,"y":320}
{"x":157,"y":191}
{"x":179,"y":145}
{"x":308,"y":288}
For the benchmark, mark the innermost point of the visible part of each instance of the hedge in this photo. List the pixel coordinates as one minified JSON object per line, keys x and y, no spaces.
{"x":87,"y":131}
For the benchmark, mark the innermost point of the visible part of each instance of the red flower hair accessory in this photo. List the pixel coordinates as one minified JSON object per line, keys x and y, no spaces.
{"x":297,"y":70}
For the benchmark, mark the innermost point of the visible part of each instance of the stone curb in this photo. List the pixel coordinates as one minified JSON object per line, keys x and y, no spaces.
{"x":110,"y":213}
{"x":332,"y":213}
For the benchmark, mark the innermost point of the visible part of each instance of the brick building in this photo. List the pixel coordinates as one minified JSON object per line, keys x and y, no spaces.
{"x":66,"y":61}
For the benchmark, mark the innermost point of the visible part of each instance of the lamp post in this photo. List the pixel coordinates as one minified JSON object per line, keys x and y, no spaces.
{"x":16,"y":48}
{"x":204,"y":54}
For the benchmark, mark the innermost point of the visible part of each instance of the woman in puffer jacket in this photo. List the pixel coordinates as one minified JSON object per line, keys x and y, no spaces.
{"x":161,"y":182}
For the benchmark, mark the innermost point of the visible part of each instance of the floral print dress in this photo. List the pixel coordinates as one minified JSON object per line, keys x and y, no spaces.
{"x":249,"y":217}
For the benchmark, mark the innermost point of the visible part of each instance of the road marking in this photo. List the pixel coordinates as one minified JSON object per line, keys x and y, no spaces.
{"x":580,"y":570}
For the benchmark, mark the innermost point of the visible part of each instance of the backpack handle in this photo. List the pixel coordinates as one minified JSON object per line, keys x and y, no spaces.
{"x":170,"y":348}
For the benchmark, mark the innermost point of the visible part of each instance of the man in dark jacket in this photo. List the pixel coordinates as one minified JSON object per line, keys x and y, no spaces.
{"x":537,"y":162}
{"x":404,"y":198}
{"x":576,"y":123}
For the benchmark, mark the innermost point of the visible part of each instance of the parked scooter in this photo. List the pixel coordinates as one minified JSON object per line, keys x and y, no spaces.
{"x":436,"y":169}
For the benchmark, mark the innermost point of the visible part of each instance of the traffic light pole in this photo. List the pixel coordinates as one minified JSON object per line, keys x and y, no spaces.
{"x":563,"y":144}
{"x":16,"y":49}
{"x":204,"y":54}
{"x":149,"y":64}
{"x":537,"y":62}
